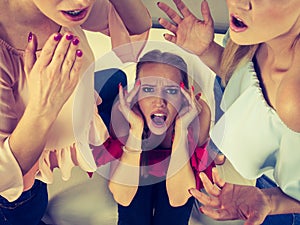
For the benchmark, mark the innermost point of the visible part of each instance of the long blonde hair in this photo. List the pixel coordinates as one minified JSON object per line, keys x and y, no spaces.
{"x":234,"y":56}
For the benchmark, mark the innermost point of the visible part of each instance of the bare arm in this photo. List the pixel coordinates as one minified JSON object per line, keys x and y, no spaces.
{"x":125,"y":173}
{"x":132,"y":12}
{"x":180,"y":176}
{"x":51,"y":81}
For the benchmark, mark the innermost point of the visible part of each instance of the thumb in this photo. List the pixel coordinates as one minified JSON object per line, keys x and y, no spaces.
{"x":29,"y":54}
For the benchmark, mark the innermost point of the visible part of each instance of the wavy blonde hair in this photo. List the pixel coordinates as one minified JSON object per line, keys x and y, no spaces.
{"x":234,"y":56}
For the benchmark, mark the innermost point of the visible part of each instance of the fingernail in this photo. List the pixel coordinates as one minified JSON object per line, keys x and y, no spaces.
{"x":201,"y":210}
{"x":75,"y":41}
{"x":90,"y":174}
{"x":181,"y":84}
{"x":120,"y":85}
{"x":57,"y":37}
{"x":69,"y":37}
{"x":193,"y":88}
{"x":138,"y":82}
{"x":29,"y":37}
{"x":198,"y":96}
{"x":190,"y":191}
{"x":79,"y":53}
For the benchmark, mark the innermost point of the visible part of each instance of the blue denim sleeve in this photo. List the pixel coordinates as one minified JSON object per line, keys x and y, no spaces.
{"x":218,"y":93}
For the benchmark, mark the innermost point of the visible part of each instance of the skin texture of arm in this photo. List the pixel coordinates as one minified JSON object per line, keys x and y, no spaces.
{"x":124,"y":180}
{"x":133,"y":13}
{"x":51,"y":81}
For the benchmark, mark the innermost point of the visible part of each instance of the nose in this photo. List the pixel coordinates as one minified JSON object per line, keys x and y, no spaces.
{"x":240,"y":4}
{"x":159,"y":102}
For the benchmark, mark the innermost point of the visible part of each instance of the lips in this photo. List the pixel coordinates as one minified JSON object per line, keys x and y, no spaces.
{"x":75,"y":15}
{"x":237,"y":24}
{"x":158,"y":119}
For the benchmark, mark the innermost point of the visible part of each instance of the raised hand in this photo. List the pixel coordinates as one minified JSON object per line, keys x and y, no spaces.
{"x":188,"y":32}
{"x":226,"y":201}
{"x":53,"y":76}
{"x":189,"y":111}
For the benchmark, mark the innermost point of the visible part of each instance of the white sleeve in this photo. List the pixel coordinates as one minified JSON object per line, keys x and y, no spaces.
{"x":11,"y":186}
{"x":287,"y":169}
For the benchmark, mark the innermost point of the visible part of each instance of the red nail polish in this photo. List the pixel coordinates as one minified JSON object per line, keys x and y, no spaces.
{"x":29,"y":37}
{"x":75,"y":41}
{"x":57,"y":37}
{"x":181,"y":84}
{"x":79,"y":53}
{"x":69,"y":37}
{"x":201,"y":210}
{"x":193,"y":88}
{"x":90,"y":174}
{"x":138,"y":82}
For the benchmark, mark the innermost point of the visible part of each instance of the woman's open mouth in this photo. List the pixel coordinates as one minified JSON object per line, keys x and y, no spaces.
{"x":75,"y":15}
{"x":158,"y":119}
{"x":237,"y":24}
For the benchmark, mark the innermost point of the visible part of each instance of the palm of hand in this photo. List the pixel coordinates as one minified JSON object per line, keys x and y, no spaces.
{"x":194,"y":35}
{"x":240,"y":202}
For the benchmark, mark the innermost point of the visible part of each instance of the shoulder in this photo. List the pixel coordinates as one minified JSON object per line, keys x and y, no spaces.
{"x":288,"y":103}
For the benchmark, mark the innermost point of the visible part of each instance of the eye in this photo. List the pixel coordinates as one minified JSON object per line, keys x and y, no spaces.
{"x":172,"y":91}
{"x":147,"y":89}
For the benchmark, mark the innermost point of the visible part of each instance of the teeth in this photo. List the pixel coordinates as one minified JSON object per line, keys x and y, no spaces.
{"x":158,"y":114}
{"x":74,"y":13}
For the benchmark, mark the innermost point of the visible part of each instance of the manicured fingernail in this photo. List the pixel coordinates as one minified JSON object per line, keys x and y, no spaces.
{"x":29,"y":37}
{"x":79,"y":53}
{"x":181,"y":84}
{"x":198,"y":96}
{"x":57,"y":37}
{"x":75,"y":41}
{"x":201,"y":210}
{"x":90,"y":174}
{"x":138,"y":82}
{"x":193,"y":88}
{"x":69,"y":37}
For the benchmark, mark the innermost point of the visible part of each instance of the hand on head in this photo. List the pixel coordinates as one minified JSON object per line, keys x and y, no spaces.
{"x":190,"y":109}
{"x":53,"y":76}
{"x":188,"y":32}
{"x":127,"y":108}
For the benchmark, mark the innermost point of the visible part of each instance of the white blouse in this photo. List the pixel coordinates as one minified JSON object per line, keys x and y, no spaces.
{"x":253,"y":137}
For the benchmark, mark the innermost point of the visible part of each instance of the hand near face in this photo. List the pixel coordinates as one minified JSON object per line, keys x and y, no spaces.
{"x":131,"y":114}
{"x":189,"y":111}
{"x":53,"y":76}
{"x":226,"y":201}
{"x":188,"y":31}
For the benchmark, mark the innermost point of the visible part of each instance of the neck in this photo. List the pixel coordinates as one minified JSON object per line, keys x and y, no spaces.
{"x":279,"y":52}
{"x":16,"y":26}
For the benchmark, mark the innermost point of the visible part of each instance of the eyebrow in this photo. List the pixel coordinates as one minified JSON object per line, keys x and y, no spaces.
{"x":167,"y":86}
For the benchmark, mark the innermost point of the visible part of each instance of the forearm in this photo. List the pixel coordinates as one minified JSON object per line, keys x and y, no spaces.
{"x":125,"y":176}
{"x":134,"y":15}
{"x":29,"y":137}
{"x":212,"y":57}
{"x":180,"y":176}
{"x":280,"y":202}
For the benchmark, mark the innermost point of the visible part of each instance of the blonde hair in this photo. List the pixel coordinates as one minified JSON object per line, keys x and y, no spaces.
{"x":234,"y":56}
